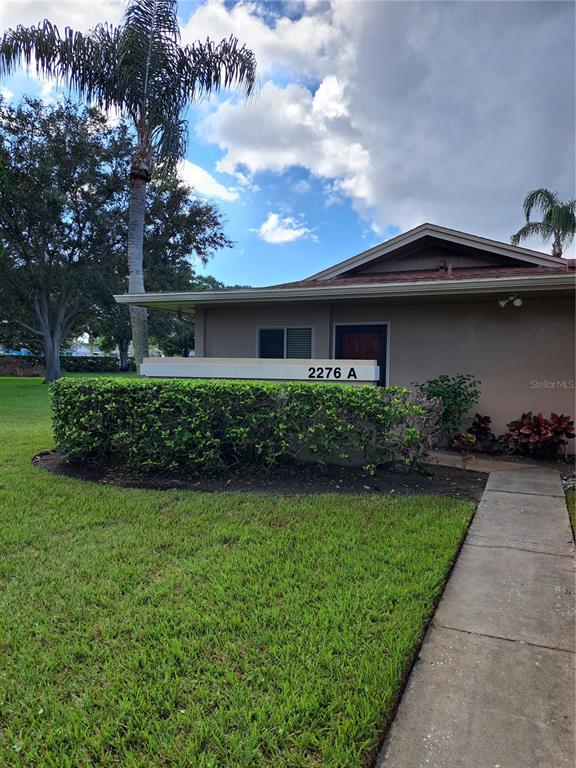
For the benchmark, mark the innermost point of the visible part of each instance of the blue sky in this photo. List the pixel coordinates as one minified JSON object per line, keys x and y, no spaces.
{"x":371,"y":118}
{"x":336,"y":230}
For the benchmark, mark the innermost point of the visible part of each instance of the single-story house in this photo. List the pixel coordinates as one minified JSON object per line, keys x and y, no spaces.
{"x":427,"y":302}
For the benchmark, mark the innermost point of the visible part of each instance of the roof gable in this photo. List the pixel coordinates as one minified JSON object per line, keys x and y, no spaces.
{"x":438,"y":243}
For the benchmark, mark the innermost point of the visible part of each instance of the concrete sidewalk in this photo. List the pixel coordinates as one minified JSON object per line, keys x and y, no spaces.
{"x":494,"y":684}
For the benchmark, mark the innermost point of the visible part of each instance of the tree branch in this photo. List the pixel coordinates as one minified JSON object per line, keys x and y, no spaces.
{"x":35,"y":331}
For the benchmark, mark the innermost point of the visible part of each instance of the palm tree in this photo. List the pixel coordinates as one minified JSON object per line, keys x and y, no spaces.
{"x":558,"y":220}
{"x":141,"y":70}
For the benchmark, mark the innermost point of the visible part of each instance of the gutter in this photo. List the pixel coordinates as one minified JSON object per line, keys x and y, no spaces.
{"x":379,"y":290}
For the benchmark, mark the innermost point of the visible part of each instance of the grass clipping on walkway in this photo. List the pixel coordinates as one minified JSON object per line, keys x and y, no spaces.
{"x":156,"y":628}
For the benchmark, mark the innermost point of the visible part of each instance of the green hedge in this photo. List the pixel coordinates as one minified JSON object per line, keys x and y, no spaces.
{"x":199,"y":426}
{"x":20,"y":365}
{"x":72,"y":364}
{"x":23,"y":361}
{"x":93,"y":364}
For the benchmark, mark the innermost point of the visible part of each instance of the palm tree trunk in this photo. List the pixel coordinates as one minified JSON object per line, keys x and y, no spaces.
{"x":557,"y":245}
{"x":138,"y":315}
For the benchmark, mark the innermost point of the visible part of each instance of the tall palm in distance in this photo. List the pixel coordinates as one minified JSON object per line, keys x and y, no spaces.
{"x":558,"y":220}
{"x":141,"y":70}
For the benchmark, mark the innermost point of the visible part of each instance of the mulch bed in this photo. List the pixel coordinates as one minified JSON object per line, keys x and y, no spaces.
{"x":289,"y":479}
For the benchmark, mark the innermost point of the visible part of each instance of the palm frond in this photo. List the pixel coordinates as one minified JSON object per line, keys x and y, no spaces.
{"x":179,"y":77}
{"x":84,"y":62}
{"x":561,"y":219}
{"x":155,"y":17}
{"x":139,"y":68}
{"x":539,"y":198}
{"x":169,"y":139}
{"x":207,"y":67}
{"x":149,"y":48}
{"x":532,"y":229}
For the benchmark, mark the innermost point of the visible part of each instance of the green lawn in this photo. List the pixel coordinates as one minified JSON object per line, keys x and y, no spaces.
{"x":571,"y":504}
{"x":166,"y":628}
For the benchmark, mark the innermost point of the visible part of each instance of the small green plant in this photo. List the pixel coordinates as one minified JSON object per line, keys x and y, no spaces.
{"x":206,"y":426}
{"x":465,"y":444}
{"x":485,"y":440}
{"x":458,"y":395}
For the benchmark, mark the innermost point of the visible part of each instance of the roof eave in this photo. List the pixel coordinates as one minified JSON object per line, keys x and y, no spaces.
{"x":379,"y":290}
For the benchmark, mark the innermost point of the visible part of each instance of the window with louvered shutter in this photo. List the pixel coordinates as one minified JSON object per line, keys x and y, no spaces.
{"x":299,"y":343}
{"x":271,"y":343}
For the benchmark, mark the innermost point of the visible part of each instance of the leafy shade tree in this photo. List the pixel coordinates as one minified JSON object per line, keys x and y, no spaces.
{"x":60,"y":179}
{"x":110,"y":328}
{"x":558,"y":220}
{"x":180,"y":230}
{"x":174,"y":333}
{"x":140,"y":69}
{"x":13,"y":336}
{"x":177,"y":335}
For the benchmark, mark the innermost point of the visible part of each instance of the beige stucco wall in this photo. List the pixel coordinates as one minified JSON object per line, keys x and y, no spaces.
{"x":513,"y":352}
{"x":523,"y":357}
{"x":233,"y":333}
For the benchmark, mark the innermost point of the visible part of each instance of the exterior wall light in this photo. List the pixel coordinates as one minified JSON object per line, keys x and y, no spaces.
{"x":516,"y":301}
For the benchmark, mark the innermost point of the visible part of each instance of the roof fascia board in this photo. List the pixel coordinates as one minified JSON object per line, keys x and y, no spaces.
{"x":372,"y":253}
{"x":448,"y":235}
{"x":420,"y":288}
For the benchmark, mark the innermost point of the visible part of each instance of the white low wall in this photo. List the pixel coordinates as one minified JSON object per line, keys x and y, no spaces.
{"x":344,"y":371}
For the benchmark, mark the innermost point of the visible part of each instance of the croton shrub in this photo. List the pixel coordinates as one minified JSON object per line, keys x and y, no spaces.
{"x":533,"y":434}
{"x":530,"y":435}
{"x":199,"y":426}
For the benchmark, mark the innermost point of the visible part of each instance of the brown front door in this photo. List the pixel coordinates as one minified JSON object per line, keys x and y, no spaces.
{"x":360,"y":345}
{"x":362,"y":342}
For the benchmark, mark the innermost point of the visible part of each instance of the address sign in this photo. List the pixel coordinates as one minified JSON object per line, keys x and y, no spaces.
{"x":348,"y":371}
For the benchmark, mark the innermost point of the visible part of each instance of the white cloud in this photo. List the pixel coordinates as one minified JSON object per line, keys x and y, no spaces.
{"x":6,"y":93}
{"x":284,"y":129}
{"x":62,"y":13}
{"x":302,"y":187}
{"x":204,"y":183}
{"x":425,"y":111}
{"x":297,"y":46}
{"x":445,"y":112}
{"x":276,"y":229}
{"x":329,"y":100}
